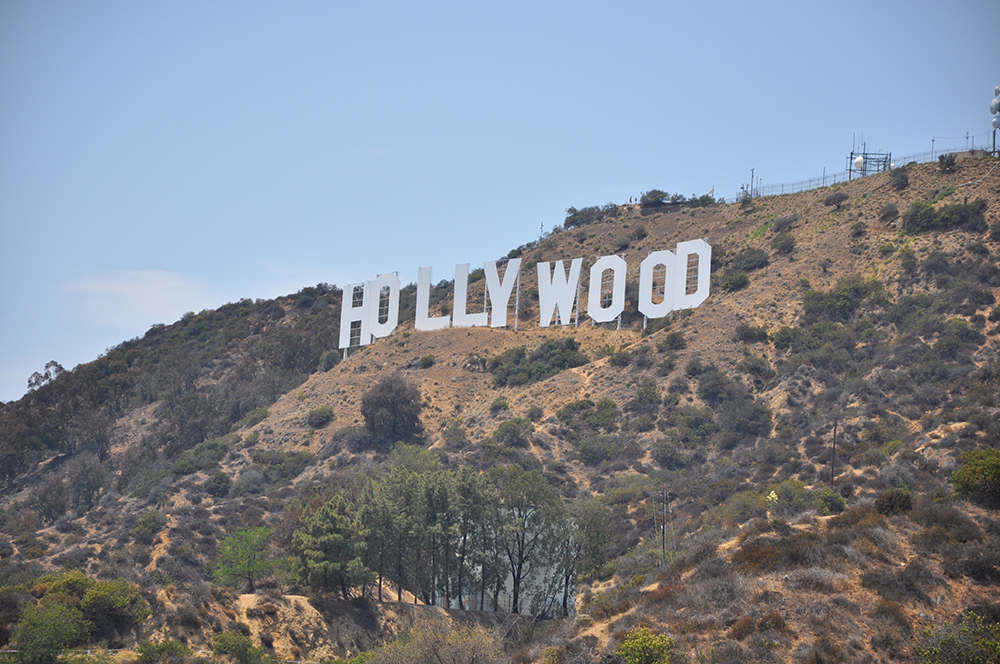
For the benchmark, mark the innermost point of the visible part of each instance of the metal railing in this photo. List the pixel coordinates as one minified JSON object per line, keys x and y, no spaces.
{"x":831,"y":179}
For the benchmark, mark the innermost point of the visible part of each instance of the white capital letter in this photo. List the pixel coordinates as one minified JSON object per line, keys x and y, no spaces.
{"x":462,"y":318}
{"x":594,"y":309}
{"x":499,"y":292}
{"x":390,"y":282}
{"x":646,"y":269}
{"x":556,"y":292}
{"x":354,"y":308}
{"x":423,"y":321}
{"x":692,"y":274}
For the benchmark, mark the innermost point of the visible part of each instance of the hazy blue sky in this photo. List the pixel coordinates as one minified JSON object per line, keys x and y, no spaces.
{"x":158,"y":158}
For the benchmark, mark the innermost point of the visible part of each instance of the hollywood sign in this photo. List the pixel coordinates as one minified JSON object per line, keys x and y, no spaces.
{"x":668,"y":281}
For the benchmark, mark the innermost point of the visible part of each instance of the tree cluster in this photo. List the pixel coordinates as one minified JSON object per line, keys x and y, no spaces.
{"x":455,"y":538}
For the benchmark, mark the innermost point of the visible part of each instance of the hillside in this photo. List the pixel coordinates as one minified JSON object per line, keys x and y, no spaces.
{"x":799,"y":430}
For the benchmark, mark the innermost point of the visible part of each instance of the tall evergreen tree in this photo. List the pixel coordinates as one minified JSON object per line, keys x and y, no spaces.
{"x":329,"y":548}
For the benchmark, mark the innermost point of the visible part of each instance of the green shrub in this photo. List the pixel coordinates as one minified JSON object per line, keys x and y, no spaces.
{"x":203,"y":456}
{"x":593,"y":450}
{"x":748,"y":260}
{"x":840,"y":303}
{"x":320,"y":417}
{"x":150,"y":524}
{"x":329,"y":360}
{"x":783,"y":243}
{"x":751,"y":334}
{"x":254,"y":417}
{"x":641,"y":646}
{"x":427,"y":361}
{"x":894,"y":501}
{"x":978,"y":476}
{"x":535,"y":413}
{"x":828,"y":501}
{"x":499,"y":405}
{"x":165,"y":651}
{"x":735,"y":282}
{"x":672,"y":341}
{"x":238,"y":646}
{"x":517,"y":367}
{"x":654,"y":198}
{"x":784,"y":336}
{"x":217,"y":485}
{"x":620,"y":358}
{"x":946,"y":162}
{"x":513,"y":433}
{"x":972,"y":641}
{"x":277,"y":466}
{"x":694,"y":367}
{"x":922,"y":216}
{"x":114,"y":605}
{"x":46,"y":629}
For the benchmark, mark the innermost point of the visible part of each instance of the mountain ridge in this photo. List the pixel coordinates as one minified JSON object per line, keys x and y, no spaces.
{"x":887,"y":333}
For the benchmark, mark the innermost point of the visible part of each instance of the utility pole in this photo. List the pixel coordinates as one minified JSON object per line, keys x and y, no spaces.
{"x":833,"y":457}
{"x":663,"y":535}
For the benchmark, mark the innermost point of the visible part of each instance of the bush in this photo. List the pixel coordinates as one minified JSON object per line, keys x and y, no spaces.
{"x":654,"y":198}
{"x":973,"y":641}
{"x":783,"y":224}
{"x":672,"y":341}
{"x":894,"y":501}
{"x":499,"y":405}
{"x":513,"y":433}
{"x":751,"y":334}
{"x":641,"y":646}
{"x":900,"y":178}
{"x":535,"y":413}
{"x":888,"y":212}
{"x":593,"y":450}
{"x":320,"y":417}
{"x":922,"y":216}
{"x":748,"y":260}
{"x":517,"y":367}
{"x":391,"y":410}
{"x":735,"y":282}
{"x":150,"y":524}
{"x":217,"y":485}
{"x":329,"y":360}
{"x":276,"y":466}
{"x":978,"y":477}
{"x":433,"y":645}
{"x":946,"y":162}
{"x":46,"y":629}
{"x":255,"y":416}
{"x":427,"y":361}
{"x":837,"y":199}
{"x":783,"y":243}
{"x":166,"y":651}
{"x":238,"y":646}
{"x":112,"y":606}
{"x":620,"y":358}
